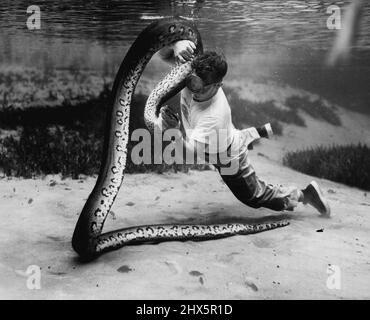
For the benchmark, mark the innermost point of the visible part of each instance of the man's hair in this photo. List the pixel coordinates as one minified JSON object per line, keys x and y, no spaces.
{"x":210,"y":66}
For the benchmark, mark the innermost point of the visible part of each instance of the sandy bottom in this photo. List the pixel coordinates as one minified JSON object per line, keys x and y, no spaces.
{"x":38,"y":219}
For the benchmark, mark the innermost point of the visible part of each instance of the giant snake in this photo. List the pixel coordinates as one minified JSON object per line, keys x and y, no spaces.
{"x":88,"y":240}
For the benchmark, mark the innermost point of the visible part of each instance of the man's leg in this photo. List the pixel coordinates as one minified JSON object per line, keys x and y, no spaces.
{"x":252,"y":191}
{"x":252,"y":134}
{"x":265,"y":131}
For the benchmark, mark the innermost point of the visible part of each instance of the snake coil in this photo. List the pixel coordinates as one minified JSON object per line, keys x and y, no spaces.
{"x":88,"y":240}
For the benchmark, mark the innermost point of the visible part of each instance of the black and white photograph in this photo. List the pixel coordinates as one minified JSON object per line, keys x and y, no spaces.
{"x":194,"y":150}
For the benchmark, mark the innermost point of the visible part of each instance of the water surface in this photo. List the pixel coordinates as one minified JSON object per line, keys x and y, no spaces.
{"x":282,"y":41}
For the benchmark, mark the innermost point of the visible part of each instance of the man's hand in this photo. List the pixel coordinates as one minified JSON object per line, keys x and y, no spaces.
{"x":183,"y":50}
{"x":169,"y":118}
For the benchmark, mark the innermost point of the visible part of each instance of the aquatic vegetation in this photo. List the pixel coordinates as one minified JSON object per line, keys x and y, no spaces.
{"x":315,"y":109}
{"x":67,"y":140}
{"x":248,"y":113}
{"x":24,"y":88}
{"x":57,"y":150}
{"x":49,"y":150}
{"x":348,"y":164}
{"x":85,"y":116}
{"x":60,"y":119}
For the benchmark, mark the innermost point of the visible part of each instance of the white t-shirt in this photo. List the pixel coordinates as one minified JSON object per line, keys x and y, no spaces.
{"x":210,"y":122}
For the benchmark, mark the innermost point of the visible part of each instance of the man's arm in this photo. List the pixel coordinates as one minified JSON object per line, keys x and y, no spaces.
{"x":178,"y":52}
{"x":191,"y":147}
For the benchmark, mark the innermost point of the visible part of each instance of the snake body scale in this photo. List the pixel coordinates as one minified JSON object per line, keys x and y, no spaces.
{"x":88,"y":240}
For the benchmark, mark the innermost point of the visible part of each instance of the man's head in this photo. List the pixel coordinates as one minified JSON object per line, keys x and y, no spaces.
{"x":209,"y":70}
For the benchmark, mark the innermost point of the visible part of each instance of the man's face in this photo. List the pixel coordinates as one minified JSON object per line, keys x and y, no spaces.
{"x":202,"y":90}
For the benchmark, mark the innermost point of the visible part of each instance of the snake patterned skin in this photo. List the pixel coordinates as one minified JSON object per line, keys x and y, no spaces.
{"x":88,"y":240}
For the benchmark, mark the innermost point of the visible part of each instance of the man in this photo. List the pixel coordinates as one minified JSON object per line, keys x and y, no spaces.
{"x":204,"y":112}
